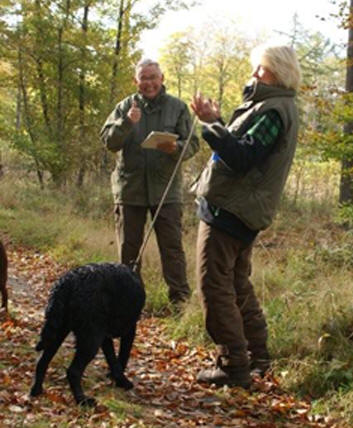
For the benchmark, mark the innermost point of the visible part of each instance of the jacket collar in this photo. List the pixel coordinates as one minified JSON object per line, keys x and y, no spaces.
{"x":257,"y":91}
{"x":152,"y":105}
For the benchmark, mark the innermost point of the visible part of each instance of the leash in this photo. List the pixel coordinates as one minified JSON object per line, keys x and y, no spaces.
{"x":161,"y":202}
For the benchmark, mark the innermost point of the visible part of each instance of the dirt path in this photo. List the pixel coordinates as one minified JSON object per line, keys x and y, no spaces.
{"x":165,"y":393}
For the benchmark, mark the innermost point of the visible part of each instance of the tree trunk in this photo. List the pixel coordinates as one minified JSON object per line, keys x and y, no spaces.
{"x":82,"y":137}
{"x":27,"y":117}
{"x":346,"y":185}
{"x":60,"y":84}
{"x":60,"y":79}
{"x":40,"y":72}
{"x":179,"y":83}
{"x":113,"y":83}
{"x":18,"y":108}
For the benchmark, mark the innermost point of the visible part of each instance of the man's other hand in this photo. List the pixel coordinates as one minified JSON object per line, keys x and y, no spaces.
{"x":168,"y":147}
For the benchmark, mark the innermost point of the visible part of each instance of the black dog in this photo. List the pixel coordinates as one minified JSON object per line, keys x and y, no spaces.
{"x":96,"y":302}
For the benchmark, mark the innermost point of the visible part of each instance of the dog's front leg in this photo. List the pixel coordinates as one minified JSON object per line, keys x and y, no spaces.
{"x":87,"y":346}
{"x":116,"y":369}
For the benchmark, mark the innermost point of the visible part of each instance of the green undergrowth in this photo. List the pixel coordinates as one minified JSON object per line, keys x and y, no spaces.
{"x":74,"y":225}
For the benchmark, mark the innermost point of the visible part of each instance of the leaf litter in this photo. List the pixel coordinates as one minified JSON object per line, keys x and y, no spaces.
{"x":163,"y":371}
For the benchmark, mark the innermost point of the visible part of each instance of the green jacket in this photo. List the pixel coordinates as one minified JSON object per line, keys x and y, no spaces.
{"x":254,"y":197}
{"x":141,"y":175}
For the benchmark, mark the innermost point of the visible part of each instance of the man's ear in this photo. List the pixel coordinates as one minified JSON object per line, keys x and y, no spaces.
{"x":162,"y":77}
{"x":135,"y":80}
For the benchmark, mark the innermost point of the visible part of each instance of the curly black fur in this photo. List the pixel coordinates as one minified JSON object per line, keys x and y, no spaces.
{"x":97,"y":302}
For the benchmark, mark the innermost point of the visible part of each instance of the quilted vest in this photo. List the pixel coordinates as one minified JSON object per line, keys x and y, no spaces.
{"x":254,"y":197}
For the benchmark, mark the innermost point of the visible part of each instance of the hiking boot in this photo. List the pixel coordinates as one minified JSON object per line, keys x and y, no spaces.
{"x":225,"y":376}
{"x":260,"y":364}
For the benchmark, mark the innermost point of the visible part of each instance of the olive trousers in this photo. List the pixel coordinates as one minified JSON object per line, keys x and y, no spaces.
{"x":130,"y":222}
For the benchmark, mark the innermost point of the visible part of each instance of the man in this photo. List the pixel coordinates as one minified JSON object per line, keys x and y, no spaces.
{"x":141,"y":175}
{"x":238,"y":193}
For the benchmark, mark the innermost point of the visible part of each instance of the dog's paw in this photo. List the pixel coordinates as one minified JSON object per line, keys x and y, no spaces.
{"x":87,"y":402}
{"x":123,"y":382}
{"x":35,"y":391}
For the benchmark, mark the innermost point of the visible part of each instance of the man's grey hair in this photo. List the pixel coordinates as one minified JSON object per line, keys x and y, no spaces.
{"x":145,"y":63}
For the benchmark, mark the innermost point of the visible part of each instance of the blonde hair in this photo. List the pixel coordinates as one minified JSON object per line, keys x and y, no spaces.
{"x":282,"y":61}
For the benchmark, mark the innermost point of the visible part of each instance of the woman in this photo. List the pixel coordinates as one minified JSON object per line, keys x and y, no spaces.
{"x":238,"y":194}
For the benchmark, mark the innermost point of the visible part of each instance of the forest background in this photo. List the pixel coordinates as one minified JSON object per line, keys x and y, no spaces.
{"x":64,"y":65}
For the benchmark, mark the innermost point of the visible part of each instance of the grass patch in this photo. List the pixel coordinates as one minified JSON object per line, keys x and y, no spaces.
{"x":188,"y":323}
{"x":121,"y":409}
{"x":54,"y":221}
{"x":156,"y":291}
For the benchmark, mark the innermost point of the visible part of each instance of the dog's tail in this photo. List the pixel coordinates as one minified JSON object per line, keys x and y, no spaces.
{"x":55,"y":314}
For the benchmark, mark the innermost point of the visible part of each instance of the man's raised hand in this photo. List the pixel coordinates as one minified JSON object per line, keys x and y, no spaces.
{"x":134,"y":114}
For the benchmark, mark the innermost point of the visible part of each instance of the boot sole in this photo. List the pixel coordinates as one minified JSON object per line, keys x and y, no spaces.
{"x":230,"y":384}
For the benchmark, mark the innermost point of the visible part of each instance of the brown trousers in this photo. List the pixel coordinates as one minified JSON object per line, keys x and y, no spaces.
{"x":130,"y":223}
{"x":234,"y":319}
